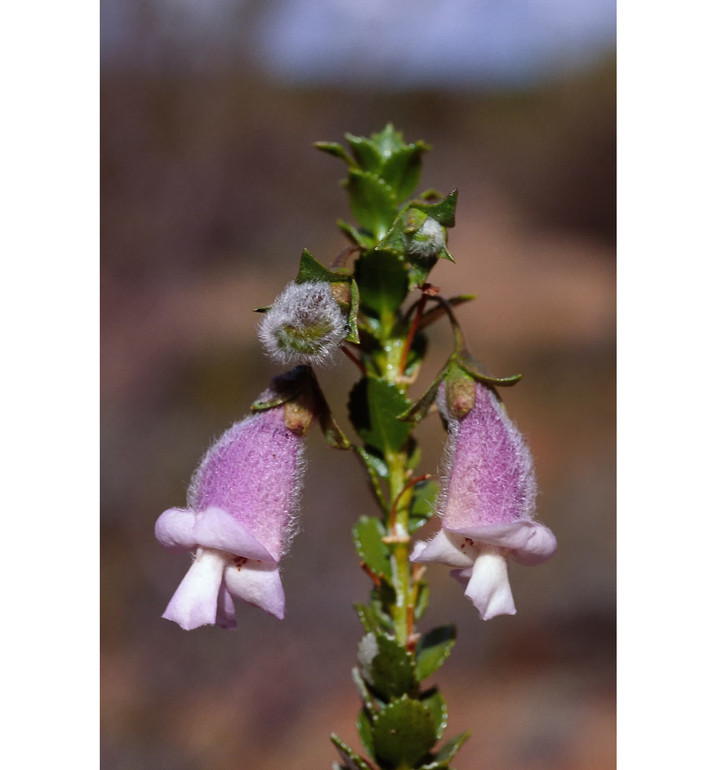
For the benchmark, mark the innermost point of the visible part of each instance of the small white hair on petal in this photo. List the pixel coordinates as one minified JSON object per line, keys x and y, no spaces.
{"x":304,"y":325}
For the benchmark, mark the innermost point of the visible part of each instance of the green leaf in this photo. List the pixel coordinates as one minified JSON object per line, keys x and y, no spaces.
{"x":422,"y":595}
{"x":363,"y":692}
{"x":351,"y":760}
{"x":352,"y":320}
{"x":444,"y":212}
{"x":475,"y":369}
{"x":436,"y":704}
{"x":374,"y":407}
{"x":312,"y":271}
{"x":383,"y":281}
{"x":404,"y":733}
{"x":376,"y":469}
{"x":360,"y":238}
{"x":335,"y":149}
{"x":383,"y":595}
{"x":423,"y":503}
{"x":373,"y":618}
{"x":364,"y":727}
{"x":371,"y":201}
{"x":386,"y":665}
{"x":365,"y":151}
{"x":450,"y":748}
{"x":389,"y":140}
{"x":432,"y":650}
{"x":367,"y":536}
{"x":420,"y":270}
{"x":419,"y":410}
{"x":375,"y":462}
{"x":402,"y":169}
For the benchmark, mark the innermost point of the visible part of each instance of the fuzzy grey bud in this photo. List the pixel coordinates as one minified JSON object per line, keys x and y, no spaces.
{"x":305,"y":325}
{"x":428,"y":240}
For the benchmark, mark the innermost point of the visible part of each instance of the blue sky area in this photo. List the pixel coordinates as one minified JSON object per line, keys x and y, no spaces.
{"x":375,"y":42}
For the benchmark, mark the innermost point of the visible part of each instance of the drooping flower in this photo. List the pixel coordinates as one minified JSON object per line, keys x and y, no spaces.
{"x":487,"y":504}
{"x":304,"y":325}
{"x":239,"y":519}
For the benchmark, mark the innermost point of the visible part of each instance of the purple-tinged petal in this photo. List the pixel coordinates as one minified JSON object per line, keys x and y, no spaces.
{"x":215,"y":528}
{"x":174,"y":529}
{"x":256,"y":583}
{"x":530,"y":542}
{"x":226,"y":614}
{"x":487,"y":585}
{"x":194,"y":603}
{"x":444,"y":548}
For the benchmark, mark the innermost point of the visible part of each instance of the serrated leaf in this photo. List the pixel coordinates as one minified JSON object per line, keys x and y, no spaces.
{"x":382,"y":280}
{"x":374,"y":407}
{"x":376,"y":469}
{"x":371,"y":201}
{"x":312,"y":271}
{"x":363,"y":692}
{"x":368,"y":534}
{"x":364,"y":727}
{"x":432,"y":650}
{"x":365,"y":151}
{"x":335,"y":149}
{"x":450,"y":748}
{"x":423,"y":503}
{"x":388,"y":140}
{"x":444,"y":212}
{"x":436,"y":704}
{"x":386,"y":665}
{"x":402,"y":169}
{"x":352,"y":320}
{"x":403,"y":732}
{"x":375,"y":462}
{"x":349,"y":757}
{"x":373,"y":618}
{"x":361,"y":239}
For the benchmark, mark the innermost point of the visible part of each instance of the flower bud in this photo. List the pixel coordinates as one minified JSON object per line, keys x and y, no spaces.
{"x":428,"y":240}
{"x":487,"y":504}
{"x":304,"y":325}
{"x":239,"y":519}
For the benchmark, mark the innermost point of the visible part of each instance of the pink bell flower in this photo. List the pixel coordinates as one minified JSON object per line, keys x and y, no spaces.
{"x":242,"y":503}
{"x":487,"y":505}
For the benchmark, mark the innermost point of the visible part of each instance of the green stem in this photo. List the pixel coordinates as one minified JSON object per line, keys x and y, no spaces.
{"x":400,"y":496}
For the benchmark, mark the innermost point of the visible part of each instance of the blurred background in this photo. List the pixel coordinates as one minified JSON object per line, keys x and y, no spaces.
{"x":210,"y":190}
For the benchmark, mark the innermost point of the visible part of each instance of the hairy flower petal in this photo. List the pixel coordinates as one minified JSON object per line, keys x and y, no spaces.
{"x":174,"y":529}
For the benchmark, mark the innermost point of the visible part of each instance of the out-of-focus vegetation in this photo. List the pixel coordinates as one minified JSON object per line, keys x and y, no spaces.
{"x":210,"y":190}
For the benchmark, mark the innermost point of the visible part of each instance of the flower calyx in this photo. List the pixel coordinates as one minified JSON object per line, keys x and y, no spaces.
{"x":300,"y":394}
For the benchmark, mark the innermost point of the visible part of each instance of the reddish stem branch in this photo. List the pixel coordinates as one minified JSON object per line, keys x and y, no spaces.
{"x":353,"y":358}
{"x":411,"y":483}
{"x":412,"y":333}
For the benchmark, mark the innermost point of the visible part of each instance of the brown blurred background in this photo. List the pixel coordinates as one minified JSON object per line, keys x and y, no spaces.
{"x":210,"y":190}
